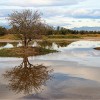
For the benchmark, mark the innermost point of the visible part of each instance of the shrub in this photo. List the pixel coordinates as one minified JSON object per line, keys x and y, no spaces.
{"x":3,"y":31}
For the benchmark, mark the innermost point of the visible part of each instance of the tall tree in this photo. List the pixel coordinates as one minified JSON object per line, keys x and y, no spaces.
{"x":27,"y":24}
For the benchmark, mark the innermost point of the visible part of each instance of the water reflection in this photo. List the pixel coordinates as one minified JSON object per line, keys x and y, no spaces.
{"x":8,"y":45}
{"x":35,"y":44}
{"x":43,"y":44}
{"x":19,"y":44}
{"x":84,"y":44}
{"x":27,"y":77}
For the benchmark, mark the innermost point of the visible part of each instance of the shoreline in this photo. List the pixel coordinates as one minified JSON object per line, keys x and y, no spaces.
{"x":86,"y":39}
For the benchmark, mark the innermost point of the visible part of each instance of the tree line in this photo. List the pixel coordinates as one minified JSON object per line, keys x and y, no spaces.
{"x":63,"y":31}
{"x":49,"y":30}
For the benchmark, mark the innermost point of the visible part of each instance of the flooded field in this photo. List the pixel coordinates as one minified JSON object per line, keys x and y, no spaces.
{"x":73,"y":73}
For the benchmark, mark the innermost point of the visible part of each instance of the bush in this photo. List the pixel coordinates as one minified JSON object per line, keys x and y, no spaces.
{"x":3,"y":31}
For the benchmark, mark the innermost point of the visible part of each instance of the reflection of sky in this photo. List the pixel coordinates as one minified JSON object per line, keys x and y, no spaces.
{"x":76,"y":73}
{"x":88,"y":57}
{"x":64,"y":86}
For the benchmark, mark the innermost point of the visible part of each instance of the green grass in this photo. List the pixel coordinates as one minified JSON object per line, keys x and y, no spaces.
{"x":20,"y":52}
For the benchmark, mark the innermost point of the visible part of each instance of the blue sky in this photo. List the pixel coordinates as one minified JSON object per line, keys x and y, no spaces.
{"x":65,"y":13}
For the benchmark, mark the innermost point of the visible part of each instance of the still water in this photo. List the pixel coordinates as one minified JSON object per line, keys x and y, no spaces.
{"x":72,"y":73}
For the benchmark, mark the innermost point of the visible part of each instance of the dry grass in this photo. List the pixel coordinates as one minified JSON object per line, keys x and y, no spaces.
{"x":68,"y":36}
{"x":10,"y":37}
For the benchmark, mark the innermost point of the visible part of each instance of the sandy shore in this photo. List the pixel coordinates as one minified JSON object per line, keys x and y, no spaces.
{"x":7,"y":40}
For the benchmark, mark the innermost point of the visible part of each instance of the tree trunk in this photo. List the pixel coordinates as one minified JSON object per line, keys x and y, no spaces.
{"x":25,"y":42}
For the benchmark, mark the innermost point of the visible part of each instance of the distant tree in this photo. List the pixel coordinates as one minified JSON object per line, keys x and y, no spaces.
{"x":50,"y":30}
{"x":3,"y":31}
{"x":63,"y":31}
{"x":27,"y":24}
{"x":58,"y":28}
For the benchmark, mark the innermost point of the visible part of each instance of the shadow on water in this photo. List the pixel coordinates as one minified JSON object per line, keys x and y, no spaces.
{"x":27,"y":78}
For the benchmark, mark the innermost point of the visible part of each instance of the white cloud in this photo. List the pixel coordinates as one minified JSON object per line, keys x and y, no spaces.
{"x":68,"y":22}
{"x":68,"y":18}
{"x":38,"y":2}
{"x":67,"y":13}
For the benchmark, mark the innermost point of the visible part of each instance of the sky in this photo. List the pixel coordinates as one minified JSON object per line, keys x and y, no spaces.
{"x":64,"y":13}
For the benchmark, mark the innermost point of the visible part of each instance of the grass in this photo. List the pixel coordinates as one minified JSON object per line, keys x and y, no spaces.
{"x":10,"y":37}
{"x":2,"y":44}
{"x":70,"y":36}
{"x":73,"y":36}
{"x":21,"y":51}
{"x":90,"y":35}
{"x":67,"y":36}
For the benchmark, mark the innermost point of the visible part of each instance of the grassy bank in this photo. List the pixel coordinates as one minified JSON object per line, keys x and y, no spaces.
{"x":98,"y":48}
{"x":20,"y":51}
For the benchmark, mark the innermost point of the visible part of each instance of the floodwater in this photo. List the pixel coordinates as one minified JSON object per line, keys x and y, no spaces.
{"x":73,"y":73}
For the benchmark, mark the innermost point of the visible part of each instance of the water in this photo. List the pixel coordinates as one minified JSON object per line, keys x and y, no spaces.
{"x":19,"y":44}
{"x":75,"y":74}
{"x":35,"y":44}
{"x":84,"y":44}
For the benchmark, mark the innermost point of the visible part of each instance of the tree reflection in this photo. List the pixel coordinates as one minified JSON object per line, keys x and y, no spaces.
{"x":27,"y":77}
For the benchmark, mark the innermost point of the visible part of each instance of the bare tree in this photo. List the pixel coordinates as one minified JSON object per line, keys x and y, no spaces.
{"x":27,"y":24}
